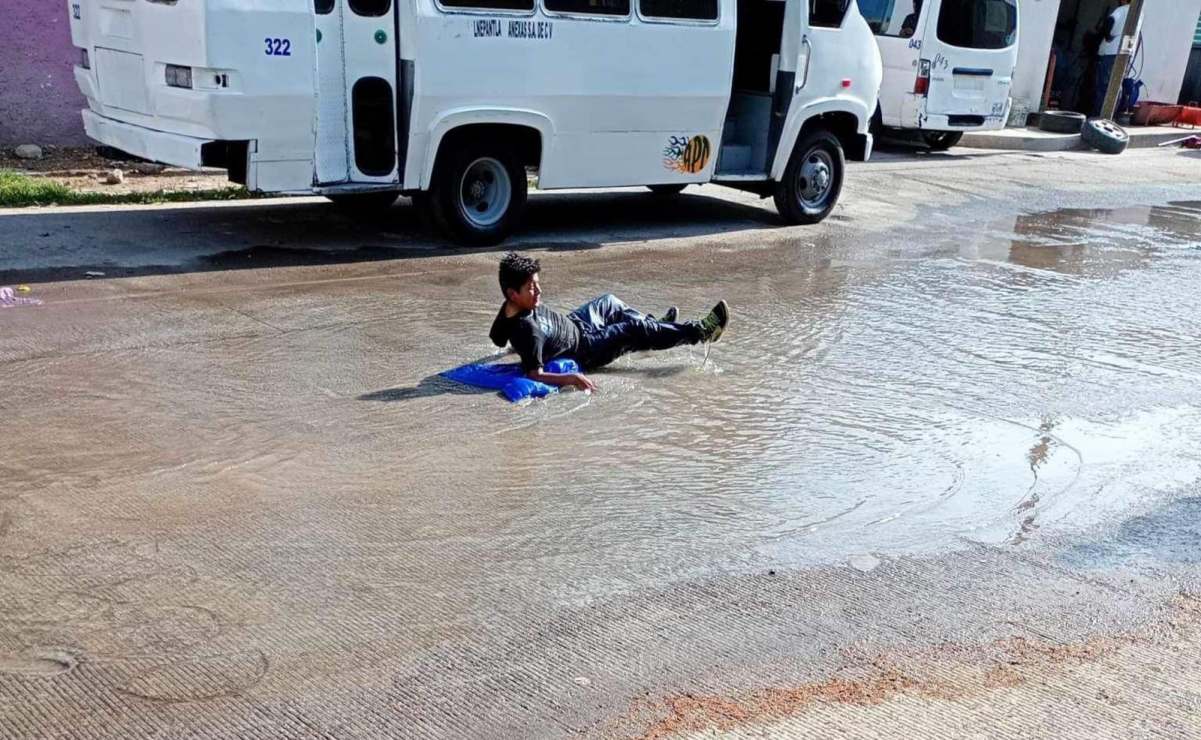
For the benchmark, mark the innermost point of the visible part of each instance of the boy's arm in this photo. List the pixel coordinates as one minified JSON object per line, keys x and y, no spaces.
{"x":529,"y":346}
{"x":579,"y":380}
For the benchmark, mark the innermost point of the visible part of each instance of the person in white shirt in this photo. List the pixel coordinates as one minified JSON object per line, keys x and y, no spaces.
{"x":1107,"y":53}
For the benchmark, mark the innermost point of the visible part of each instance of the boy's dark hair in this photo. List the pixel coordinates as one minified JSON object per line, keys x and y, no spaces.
{"x":515,"y":270}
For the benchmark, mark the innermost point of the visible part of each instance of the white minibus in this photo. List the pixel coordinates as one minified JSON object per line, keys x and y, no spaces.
{"x":454,"y":102}
{"x":948,"y":65}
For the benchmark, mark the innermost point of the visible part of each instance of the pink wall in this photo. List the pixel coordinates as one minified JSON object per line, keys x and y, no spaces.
{"x":39,"y":101}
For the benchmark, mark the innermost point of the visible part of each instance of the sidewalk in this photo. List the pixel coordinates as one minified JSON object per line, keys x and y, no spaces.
{"x":1035,"y":140}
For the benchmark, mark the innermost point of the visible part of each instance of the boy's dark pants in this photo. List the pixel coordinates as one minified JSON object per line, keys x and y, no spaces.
{"x":610,"y":329}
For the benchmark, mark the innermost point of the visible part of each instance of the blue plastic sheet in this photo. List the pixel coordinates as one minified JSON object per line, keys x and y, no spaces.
{"x":508,"y":378}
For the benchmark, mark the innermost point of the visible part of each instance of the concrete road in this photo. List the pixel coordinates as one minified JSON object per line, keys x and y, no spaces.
{"x":939,"y":479}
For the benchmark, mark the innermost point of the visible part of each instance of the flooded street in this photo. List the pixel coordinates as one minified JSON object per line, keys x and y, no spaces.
{"x":241,"y":502}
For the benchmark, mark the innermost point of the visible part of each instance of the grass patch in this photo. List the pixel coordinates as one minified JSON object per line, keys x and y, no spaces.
{"x":20,"y":191}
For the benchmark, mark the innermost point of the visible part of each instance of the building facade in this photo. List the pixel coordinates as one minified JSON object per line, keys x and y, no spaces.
{"x":39,"y":101}
{"x":1062,"y":29}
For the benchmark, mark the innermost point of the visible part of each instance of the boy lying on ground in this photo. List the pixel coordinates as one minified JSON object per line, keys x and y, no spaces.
{"x":594,"y":334}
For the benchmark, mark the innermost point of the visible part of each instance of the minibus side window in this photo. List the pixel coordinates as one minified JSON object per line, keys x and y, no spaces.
{"x":323,"y":7}
{"x":588,"y":7}
{"x":827,"y":13}
{"x":689,"y":10}
{"x":488,"y":4}
{"x":892,"y":17}
{"x":371,"y":8}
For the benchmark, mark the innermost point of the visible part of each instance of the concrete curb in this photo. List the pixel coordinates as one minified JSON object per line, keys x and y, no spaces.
{"x":1035,"y":140}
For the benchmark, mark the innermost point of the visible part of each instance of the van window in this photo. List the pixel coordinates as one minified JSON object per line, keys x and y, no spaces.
{"x":323,"y":7}
{"x":892,"y":17}
{"x":588,"y":7}
{"x":689,"y":10}
{"x":370,"y":7}
{"x":827,"y":13}
{"x":488,"y":4}
{"x":978,"y":24}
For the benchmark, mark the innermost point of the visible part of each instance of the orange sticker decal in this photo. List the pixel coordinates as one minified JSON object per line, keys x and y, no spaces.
{"x":687,"y":155}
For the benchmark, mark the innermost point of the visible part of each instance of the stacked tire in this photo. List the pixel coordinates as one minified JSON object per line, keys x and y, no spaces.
{"x":1061,"y":122}
{"x":1101,"y":134}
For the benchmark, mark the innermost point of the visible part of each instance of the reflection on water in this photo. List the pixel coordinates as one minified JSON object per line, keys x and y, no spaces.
{"x":1028,"y":377}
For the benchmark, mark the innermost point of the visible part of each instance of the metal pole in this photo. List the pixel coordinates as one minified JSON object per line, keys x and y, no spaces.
{"x":1125,"y":51}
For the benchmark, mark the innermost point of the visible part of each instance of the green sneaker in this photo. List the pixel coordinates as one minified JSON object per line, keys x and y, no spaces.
{"x":715,"y":322}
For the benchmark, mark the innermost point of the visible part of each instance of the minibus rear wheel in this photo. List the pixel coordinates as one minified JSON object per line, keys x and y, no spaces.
{"x":940,"y":141}
{"x":812,"y":180}
{"x":478,"y":193}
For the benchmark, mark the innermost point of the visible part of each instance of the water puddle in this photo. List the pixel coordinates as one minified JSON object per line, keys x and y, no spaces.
{"x":1026,"y":377}
{"x":1038,"y":376}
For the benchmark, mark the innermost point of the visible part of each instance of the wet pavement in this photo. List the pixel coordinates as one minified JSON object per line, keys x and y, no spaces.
{"x":241,"y":502}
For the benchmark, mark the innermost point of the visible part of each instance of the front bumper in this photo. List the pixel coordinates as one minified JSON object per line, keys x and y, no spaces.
{"x":943,"y":123}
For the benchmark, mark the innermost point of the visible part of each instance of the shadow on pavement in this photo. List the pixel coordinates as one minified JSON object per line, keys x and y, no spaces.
{"x":43,"y":246}
{"x":433,"y":385}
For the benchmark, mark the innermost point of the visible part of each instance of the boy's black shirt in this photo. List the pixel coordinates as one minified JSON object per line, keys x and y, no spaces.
{"x":539,"y":336}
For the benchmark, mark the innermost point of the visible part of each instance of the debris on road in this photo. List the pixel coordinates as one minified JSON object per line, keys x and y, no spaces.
{"x":147,"y":168}
{"x":864,"y":563}
{"x":1186,"y":142}
{"x":114,"y":177}
{"x":28,"y":151}
{"x":9,"y":297}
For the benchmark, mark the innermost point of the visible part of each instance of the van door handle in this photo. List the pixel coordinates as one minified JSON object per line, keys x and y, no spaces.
{"x":972,"y":72}
{"x":808,"y":56}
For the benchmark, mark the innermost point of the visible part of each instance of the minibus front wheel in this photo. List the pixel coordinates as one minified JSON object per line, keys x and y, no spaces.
{"x":478,"y":193}
{"x":812,"y":180}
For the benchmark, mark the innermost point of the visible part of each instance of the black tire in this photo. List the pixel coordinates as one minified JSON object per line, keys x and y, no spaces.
{"x":1060,"y":122}
{"x":666,"y":190}
{"x":1105,"y":136}
{"x":459,"y":209}
{"x":799,"y":198}
{"x":359,"y":203}
{"x":876,"y":127}
{"x":940,"y":141}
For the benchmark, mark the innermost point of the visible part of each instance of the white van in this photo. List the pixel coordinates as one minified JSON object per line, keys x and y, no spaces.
{"x":452,"y":101}
{"x":948,"y":65}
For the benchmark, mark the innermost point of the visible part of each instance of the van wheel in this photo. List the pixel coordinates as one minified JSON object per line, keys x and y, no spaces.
{"x":666,"y":190}
{"x":876,"y":128}
{"x":364,"y":202}
{"x":940,"y":141}
{"x":812,"y":180}
{"x":478,"y":193}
